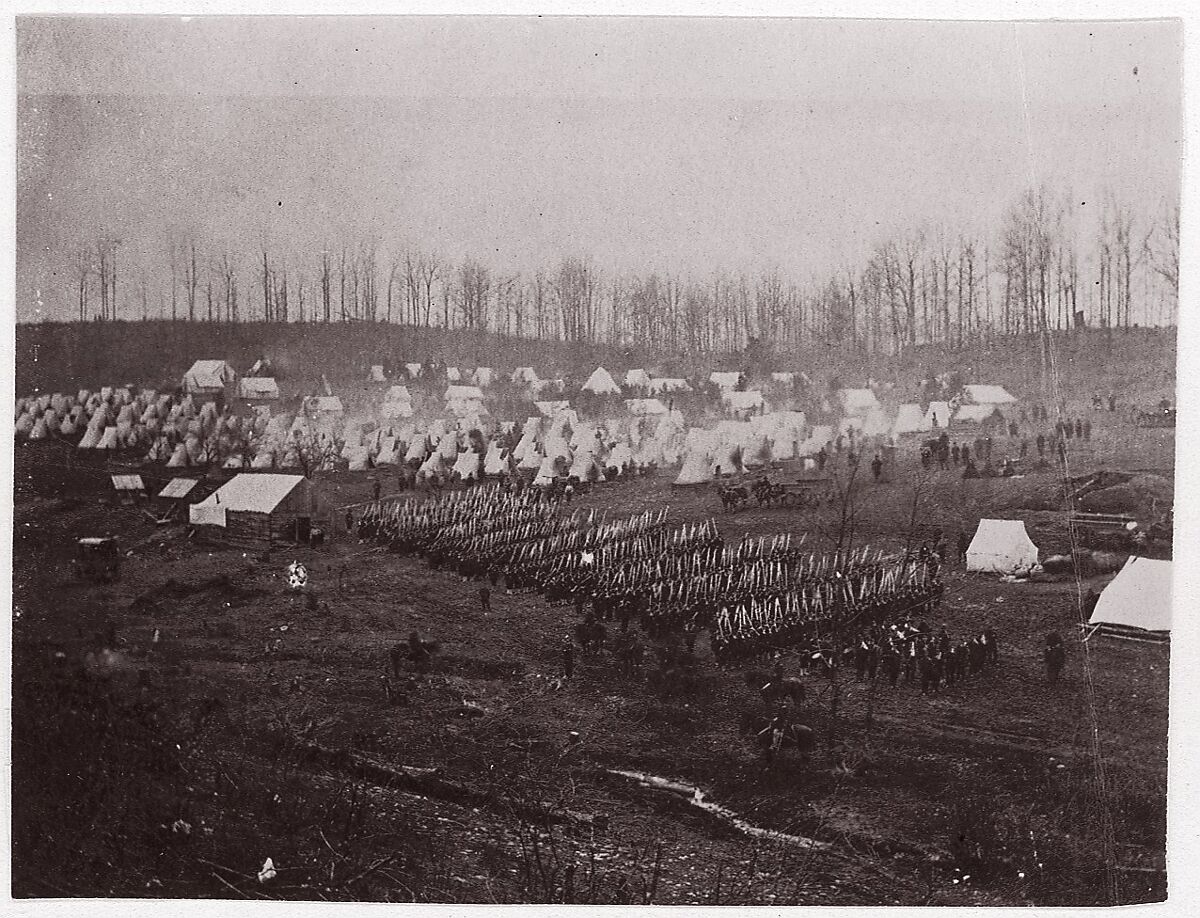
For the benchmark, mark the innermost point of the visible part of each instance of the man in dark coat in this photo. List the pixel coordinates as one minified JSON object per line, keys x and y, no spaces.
{"x":1055,"y":656}
{"x":485,"y":600}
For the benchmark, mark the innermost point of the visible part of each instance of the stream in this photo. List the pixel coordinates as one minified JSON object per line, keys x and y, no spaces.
{"x":696,"y":798}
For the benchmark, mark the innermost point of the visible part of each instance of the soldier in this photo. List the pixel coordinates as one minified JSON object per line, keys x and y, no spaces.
{"x":891,"y":664}
{"x":485,"y":600}
{"x":1041,"y":445}
{"x":568,"y":657}
{"x":1055,"y":657}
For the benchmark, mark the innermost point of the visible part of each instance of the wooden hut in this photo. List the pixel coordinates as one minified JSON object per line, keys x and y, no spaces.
{"x":256,"y":510}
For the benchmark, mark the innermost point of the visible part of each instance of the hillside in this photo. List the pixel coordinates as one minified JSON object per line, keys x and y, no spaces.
{"x":1139,"y":364}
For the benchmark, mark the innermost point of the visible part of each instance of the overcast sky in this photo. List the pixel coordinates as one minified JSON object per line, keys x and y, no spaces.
{"x":675,"y":144}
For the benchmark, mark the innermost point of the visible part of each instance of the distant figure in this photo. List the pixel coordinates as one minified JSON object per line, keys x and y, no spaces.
{"x":375,"y":488}
{"x":1041,"y":445}
{"x":485,"y":600}
{"x":966,"y":454}
{"x":349,"y":521}
{"x":822,"y":458}
{"x":1087,"y":430}
{"x":1055,"y":657}
{"x":1078,"y":429}
{"x":877,"y":466}
{"x":970,"y":471}
{"x":1012,"y":429}
{"x":954,"y":454}
{"x":1112,"y":402}
{"x":963,"y":544}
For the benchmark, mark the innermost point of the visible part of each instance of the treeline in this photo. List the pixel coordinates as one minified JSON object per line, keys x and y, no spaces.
{"x":1039,"y":272}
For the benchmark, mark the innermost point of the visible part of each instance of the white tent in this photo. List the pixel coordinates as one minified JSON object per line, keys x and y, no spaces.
{"x":637,"y":378}
{"x":784,"y":378}
{"x":467,"y":465}
{"x":697,"y":469}
{"x":208,"y":377}
{"x":256,"y":387}
{"x":109,"y":439}
{"x":857,"y":401}
{"x":937,"y":416}
{"x":377,"y":373}
{"x":909,"y":419}
{"x":495,"y":462}
{"x":434,"y":465}
{"x":387,"y":452}
{"x":453,"y":375}
{"x":482,"y":376}
{"x":414,"y":369}
{"x":1138,"y":599}
{"x":725,"y":381}
{"x":179,"y":458}
{"x":397,"y":403}
{"x":601,"y":383}
{"x":1001,"y":546}
{"x":988,"y":395}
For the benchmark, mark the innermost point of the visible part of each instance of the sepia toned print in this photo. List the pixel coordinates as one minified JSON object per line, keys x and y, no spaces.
{"x":594,"y":461}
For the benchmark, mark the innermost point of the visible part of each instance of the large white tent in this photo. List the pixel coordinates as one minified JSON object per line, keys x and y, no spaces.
{"x":208,"y":377}
{"x":1137,"y":600}
{"x":601,"y":383}
{"x":1001,"y":546}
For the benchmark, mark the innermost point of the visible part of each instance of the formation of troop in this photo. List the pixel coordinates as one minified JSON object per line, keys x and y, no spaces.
{"x":756,"y":597}
{"x":810,"y":603}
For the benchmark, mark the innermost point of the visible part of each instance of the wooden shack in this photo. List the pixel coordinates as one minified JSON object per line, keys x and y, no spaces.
{"x":258,"y":510}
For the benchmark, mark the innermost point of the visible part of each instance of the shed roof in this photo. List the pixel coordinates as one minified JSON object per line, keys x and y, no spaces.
{"x":253,"y":493}
{"x":128,"y":483}
{"x":178,"y":488}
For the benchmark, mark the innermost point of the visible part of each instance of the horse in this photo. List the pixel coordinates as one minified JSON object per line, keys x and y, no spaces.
{"x":590,"y":634}
{"x":776,"y":688}
{"x":733,"y":498}
{"x":630,"y":653}
{"x":774,"y":734}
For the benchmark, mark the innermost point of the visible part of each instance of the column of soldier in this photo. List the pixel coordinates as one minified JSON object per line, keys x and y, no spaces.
{"x":758,"y":596}
{"x":810,"y":603}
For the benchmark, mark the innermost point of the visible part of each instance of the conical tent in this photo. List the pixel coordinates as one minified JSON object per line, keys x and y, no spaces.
{"x":909,"y":419}
{"x":179,"y":458}
{"x":937,"y":417}
{"x":531,"y":460}
{"x":387,"y":451}
{"x":1001,"y":546}
{"x":547,"y":471}
{"x":1138,"y":599}
{"x":601,"y":383}
{"x":467,"y":465}
{"x":697,"y":469}
{"x":434,"y":465}
{"x":495,"y":463}
{"x":109,"y":439}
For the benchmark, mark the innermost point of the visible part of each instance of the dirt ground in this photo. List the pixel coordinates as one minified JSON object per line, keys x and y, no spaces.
{"x":199,"y":755}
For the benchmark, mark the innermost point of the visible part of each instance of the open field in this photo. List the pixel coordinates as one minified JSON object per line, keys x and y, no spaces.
{"x":252,"y":723}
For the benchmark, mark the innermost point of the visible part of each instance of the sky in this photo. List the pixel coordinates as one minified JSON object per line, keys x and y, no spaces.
{"x":675,"y":144}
